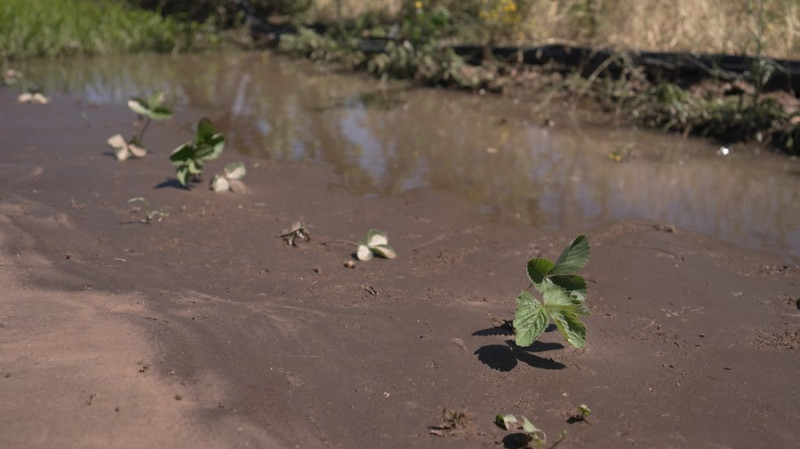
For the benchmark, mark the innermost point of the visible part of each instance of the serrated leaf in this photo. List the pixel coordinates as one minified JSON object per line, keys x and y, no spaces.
{"x":505,"y":421}
{"x":364,"y":253}
{"x":219,"y":184}
{"x":573,"y":258}
{"x":530,"y":320}
{"x":567,"y":322}
{"x":376,"y":238}
{"x":538,"y":269}
{"x":575,"y":285}
{"x":235,"y":170}
{"x":384,"y":251}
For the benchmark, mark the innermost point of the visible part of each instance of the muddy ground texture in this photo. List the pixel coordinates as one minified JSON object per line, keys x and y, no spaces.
{"x":207,"y":330}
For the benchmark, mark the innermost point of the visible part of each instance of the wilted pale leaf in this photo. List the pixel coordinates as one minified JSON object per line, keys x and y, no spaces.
{"x":236,"y":170}
{"x":122,"y":154}
{"x":136,"y":150}
{"x":384,"y":251}
{"x":364,"y":253}
{"x":237,"y":186}
{"x":505,"y":421}
{"x":220,"y":184}
{"x":376,"y":238}
{"x":39,"y":98}
{"x":117,"y":141}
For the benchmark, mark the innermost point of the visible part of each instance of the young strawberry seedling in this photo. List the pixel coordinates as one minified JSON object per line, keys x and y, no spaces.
{"x":146,"y":110}
{"x":191,"y":157}
{"x":563,"y":295}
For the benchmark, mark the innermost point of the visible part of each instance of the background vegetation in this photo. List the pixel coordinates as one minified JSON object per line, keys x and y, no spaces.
{"x":30,"y":28}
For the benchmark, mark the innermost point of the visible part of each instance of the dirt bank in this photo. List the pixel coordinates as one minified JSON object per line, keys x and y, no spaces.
{"x":206,"y":330}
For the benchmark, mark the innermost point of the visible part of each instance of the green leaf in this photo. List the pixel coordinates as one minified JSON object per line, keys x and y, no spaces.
{"x":210,"y":148}
{"x":574,"y":285}
{"x":205,"y":130}
{"x":183,"y":175}
{"x":138,"y":106}
{"x":567,"y":322}
{"x":530,"y":320}
{"x":573,"y":258}
{"x":155,"y":100}
{"x":182,"y":154}
{"x":160,"y":113}
{"x":505,"y":421}
{"x":538,"y":269}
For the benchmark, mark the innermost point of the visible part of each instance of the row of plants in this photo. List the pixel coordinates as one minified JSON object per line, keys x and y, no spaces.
{"x":563,"y":291}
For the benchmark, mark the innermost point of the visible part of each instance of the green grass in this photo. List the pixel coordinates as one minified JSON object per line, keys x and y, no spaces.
{"x":50,"y":28}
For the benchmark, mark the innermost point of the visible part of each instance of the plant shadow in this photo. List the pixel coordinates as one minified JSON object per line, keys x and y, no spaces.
{"x":170,"y":183}
{"x":517,"y":440}
{"x":506,"y":357}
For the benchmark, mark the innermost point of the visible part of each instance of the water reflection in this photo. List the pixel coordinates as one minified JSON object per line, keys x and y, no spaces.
{"x":386,"y":138}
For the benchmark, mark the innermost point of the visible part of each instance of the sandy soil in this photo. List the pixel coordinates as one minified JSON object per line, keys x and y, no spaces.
{"x":206,"y":330}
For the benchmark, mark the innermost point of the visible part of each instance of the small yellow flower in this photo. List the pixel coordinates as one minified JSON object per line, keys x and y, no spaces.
{"x":418,"y":5}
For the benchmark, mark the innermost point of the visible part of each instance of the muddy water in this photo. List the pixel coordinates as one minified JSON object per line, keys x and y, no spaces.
{"x":386,"y":138}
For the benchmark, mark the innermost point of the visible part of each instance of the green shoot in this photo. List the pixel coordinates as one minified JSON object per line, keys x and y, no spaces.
{"x":190,"y":158}
{"x":150,"y":214}
{"x":563,"y":295}
{"x":230,"y":179}
{"x":376,"y":244}
{"x":146,"y":110}
{"x":582,"y":416}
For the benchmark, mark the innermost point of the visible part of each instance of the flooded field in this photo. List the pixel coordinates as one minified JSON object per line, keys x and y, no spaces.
{"x":384,"y":138}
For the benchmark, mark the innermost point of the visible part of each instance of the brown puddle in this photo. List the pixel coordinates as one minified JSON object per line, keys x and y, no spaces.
{"x":386,"y":138}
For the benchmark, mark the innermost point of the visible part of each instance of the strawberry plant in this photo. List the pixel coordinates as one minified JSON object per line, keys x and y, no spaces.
{"x":563,"y":295}
{"x":191,"y":157}
{"x":146,"y":110}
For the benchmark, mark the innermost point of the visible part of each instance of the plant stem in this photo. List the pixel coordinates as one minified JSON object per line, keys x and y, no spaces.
{"x":140,"y":134}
